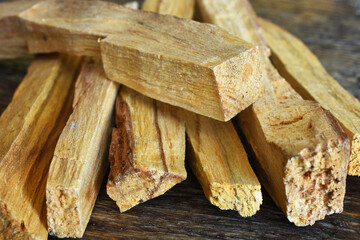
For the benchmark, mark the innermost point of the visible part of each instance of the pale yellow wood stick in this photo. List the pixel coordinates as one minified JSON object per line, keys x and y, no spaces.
{"x":12,"y":39}
{"x":303,"y":70}
{"x":80,"y":158}
{"x":218,"y":158}
{"x":302,"y":152}
{"x":181,"y":62}
{"x":219,"y":161}
{"x":30,"y":127}
{"x":147,"y":150}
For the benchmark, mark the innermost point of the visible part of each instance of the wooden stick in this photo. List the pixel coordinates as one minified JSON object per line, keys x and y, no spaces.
{"x":147,"y":151}
{"x":183,"y":9}
{"x":12,"y":38}
{"x":188,"y":64}
{"x":220,"y":163}
{"x":303,"y":70}
{"x":79,"y":163}
{"x":302,"y":152}
{"x":30,"y":127}
{"x":218,"y":158}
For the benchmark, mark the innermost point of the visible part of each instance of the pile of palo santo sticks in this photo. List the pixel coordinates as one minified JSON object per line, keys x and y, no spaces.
{"x":165,"y":79}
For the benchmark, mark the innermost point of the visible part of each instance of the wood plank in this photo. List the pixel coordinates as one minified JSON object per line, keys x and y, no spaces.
{"x":147,"y":151}
{"x":220,"y":163}
{"x":202,"y":68}
{"x":291,"y":137}
{"x":303,"y":70}
{"x":12,"y":38}
{"x":80,"y":158}
{"x":31,"y":125}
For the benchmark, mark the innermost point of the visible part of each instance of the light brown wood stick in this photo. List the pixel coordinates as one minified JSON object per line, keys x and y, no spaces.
{"x":303,"y":70}
{"x":147,"y":152}
{"x":218,"y":158}
{"x":30,"y":127}
{"x":188,"y":64}
{"x":220,"y":163}
{"x":79,"y":163}
{"x":302,"y":152}
{"x":183,"y":9}
{"x":12,"y":38}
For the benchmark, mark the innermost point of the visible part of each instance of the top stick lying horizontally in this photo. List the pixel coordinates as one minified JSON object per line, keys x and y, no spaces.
{"x":303,"y":70}
{"x":188,"y":64}
{"x":302,"y":152}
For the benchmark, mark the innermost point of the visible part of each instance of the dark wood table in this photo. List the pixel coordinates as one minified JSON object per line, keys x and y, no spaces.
{"x":331,"y":28}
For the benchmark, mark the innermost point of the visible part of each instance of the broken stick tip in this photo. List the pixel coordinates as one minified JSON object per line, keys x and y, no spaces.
{"x":246,"y":199}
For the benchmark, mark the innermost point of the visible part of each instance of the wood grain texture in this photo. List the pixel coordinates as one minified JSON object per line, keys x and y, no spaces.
{"x":304,"y":72}
{"x":12,"y":38}
{"x":221,"y":71}
{"x":80,"y":158}
{"x":219,"y":161}
{"x":141,"y":170}
{"x":193,"y":216}
{"x":302,"y":151}
{"x":147,"y":149}
{"x":183,"y":9}
{"x":183,"y":211}
{"x":30,"y":127}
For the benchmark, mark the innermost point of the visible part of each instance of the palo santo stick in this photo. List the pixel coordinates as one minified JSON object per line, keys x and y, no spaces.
{"x":220,"y":163}
{"x":147,"y":149}
{"x":79,"y":163}
{"x":12,"y":38}
{"x":303,"y":70}
{"x":188,"y":64}
{"x":302,"y":152}
{"x":155,"y":134}
{"x":183,"y":9}
{"x":30,"y":127}
{"x":218,"y":159}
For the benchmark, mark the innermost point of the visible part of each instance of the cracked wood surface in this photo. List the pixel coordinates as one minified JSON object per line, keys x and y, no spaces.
{"x":147,"y":149}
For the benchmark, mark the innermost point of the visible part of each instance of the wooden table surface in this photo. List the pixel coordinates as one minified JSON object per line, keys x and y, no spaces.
{"x":331,"y":28}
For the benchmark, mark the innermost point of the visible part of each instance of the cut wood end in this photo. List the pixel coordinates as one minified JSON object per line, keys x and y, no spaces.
{"x":12,"y":228}
{"x":239,"y":82}
{"x":63,"y":203}
{"x":315,"y":186}
{"x":245,"y":199}
{"x":138,"y":185}
{"x":354,"y":164}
